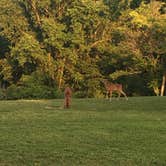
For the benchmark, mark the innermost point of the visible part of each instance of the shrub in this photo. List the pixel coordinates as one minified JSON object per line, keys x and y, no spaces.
{"x":2,"y":94}
{"x":32,"y":91}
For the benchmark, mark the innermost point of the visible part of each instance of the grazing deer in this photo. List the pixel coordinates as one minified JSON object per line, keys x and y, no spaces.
{"x":67,"y":94}
{"x":110,"y":88}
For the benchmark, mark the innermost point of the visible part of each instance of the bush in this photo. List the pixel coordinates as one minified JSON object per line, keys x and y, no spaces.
{"x":2,"y":94}
{"x":13,"y":92}
{"x":32,"y":87}
{"x":32,"y":91}
{"x":80,"y":94}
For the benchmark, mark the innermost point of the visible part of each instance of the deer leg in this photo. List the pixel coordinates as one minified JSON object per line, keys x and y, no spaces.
{"x":107,"y":94}
{"x":124,"y":94}
{"x":69,"y":101}
{"x":110,"y":96}
{"x":118,"y":95}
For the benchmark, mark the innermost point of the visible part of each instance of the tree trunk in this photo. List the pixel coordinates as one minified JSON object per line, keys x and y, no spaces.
{"x":60,"y":73}
{"x":156,"y":91}
{"x":50,"y":69}
{"x":33,"y":6}
{"x":163,"y":85}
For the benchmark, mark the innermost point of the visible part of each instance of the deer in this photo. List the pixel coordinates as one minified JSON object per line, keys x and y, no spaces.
{"x":67,"y":95}
{"x":111,"y":87}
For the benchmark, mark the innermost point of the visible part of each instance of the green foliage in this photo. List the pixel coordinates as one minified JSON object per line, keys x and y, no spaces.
{"x":2,"y":94}
{"x":78,"y":43}
{"x":32,"y":87}
{"x":27,"y":50}
{"x":5,"y":70}
{"x":31,"y":92}
{"x":155,"y":85}
{"x":13,"y":21}
{"x":53,"y":33}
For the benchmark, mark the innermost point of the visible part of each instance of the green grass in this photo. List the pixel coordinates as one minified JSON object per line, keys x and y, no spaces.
{"x":93,"y":132}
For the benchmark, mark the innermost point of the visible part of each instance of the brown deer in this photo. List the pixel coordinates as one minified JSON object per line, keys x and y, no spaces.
{"x":67,"y":94}
{"x":110,"y":88}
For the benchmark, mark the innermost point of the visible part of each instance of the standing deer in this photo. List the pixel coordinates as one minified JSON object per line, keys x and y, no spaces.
{"x":67,"y":94}
{"x":110,"y":88}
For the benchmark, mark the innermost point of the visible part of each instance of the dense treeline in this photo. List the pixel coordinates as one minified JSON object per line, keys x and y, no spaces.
{"x":47,"y":44}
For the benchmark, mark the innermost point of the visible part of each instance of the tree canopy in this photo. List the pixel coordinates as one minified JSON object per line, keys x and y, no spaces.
{"x":48,"y":44}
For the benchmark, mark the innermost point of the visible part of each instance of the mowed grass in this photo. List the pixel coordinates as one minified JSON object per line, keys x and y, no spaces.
{"x":93,"y":132}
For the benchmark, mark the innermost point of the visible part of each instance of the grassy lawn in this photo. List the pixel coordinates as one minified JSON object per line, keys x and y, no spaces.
{"x":93,"y":132}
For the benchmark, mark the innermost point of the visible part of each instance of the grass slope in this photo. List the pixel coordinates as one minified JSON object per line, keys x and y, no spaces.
{"x":93,"y":132}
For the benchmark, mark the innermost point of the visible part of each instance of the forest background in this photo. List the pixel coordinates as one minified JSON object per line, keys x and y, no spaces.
{"x":48,"y":44}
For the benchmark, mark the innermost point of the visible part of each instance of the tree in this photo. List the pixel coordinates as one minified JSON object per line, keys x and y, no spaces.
{"x":80,"y":42}
{"x":146,"y":38}
{"x":12,"y":24}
